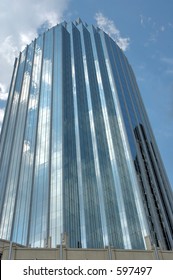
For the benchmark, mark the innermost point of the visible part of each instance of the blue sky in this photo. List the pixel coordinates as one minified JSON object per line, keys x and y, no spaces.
{"x":143,"y":28}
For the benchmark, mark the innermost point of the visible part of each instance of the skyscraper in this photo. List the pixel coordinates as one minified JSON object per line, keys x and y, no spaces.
{"x":77,"y":153}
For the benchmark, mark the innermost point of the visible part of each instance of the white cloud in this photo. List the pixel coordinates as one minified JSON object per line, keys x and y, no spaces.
{"x":170,"y":24}
{"x":168,"y":64}
{"x":3,"y":96}
{"x":20,"y":21}
{"x":153,"y":28}
{"x":169,"y":72}
{"x":8,"y":50}
{"x":26,"y":146}
{"x":162,"y":28}
{"x":109,"y":27}
{"x":3,"y":90}
{"x":142,"y":18}
{"x":146,"y":21}
{"x":167,"y":60}
{"x":1,"y":116}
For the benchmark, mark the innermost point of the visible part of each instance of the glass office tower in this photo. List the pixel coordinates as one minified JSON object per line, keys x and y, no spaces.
{"x":77,"y":153}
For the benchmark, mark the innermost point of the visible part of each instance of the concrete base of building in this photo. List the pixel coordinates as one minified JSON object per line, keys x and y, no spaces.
{"x":13,"y":251}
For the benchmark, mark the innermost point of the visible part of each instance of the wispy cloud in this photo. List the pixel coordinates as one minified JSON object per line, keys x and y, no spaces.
{"x":169,"y":72}
{"x":167,"y":60}
{"x":170,"y":24}
{"x":20,"y":21}
{"x":1,"y":117}
{"x":2,"y":89}
{"x":8,"y":49}
{"x":168,"y":64}
{"x":153,"y":28}
{"x":3,"y":96}
{"x":110,"y":28}
{"x":144,"y":21}
{"x":162,"y":28}
{"x":3,"y":99}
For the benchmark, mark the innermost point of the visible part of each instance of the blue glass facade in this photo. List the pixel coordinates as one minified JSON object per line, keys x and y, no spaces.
{"x":77,"y":153}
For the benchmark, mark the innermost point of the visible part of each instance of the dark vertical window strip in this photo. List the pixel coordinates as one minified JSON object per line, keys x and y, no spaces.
{"x":162,"y":204}
{"x":150,"y":134}
{"x":168,"y":191}
{"x":158,"y":225}
{"x":135,"y":95}
{"x":83,"y":130}
{"x":133,"y":81}
{"x":80,"y":91}
{"x":147,"y":197}
{"x":156,"y":171}
{"x":160,"y":188}
{"x":70,"y":181}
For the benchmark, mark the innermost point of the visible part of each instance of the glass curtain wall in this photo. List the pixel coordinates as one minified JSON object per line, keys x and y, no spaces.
{"x":77,"y":153}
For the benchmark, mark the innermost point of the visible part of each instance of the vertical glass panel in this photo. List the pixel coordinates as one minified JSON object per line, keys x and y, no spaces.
{"x":99,"y":199}
{"x":21,"y":222}
{"x":124,"y":170}
{"x":4,"y":134}
{"x":76,"y":148}
{"x":111,"y":205}
{"x":94,"y":236}
{"x":8,"y":110}
{"x":10,"y":167}
{"x":40,"y":202}
{"x":71,"y":203}
{"x":56,"y":214}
